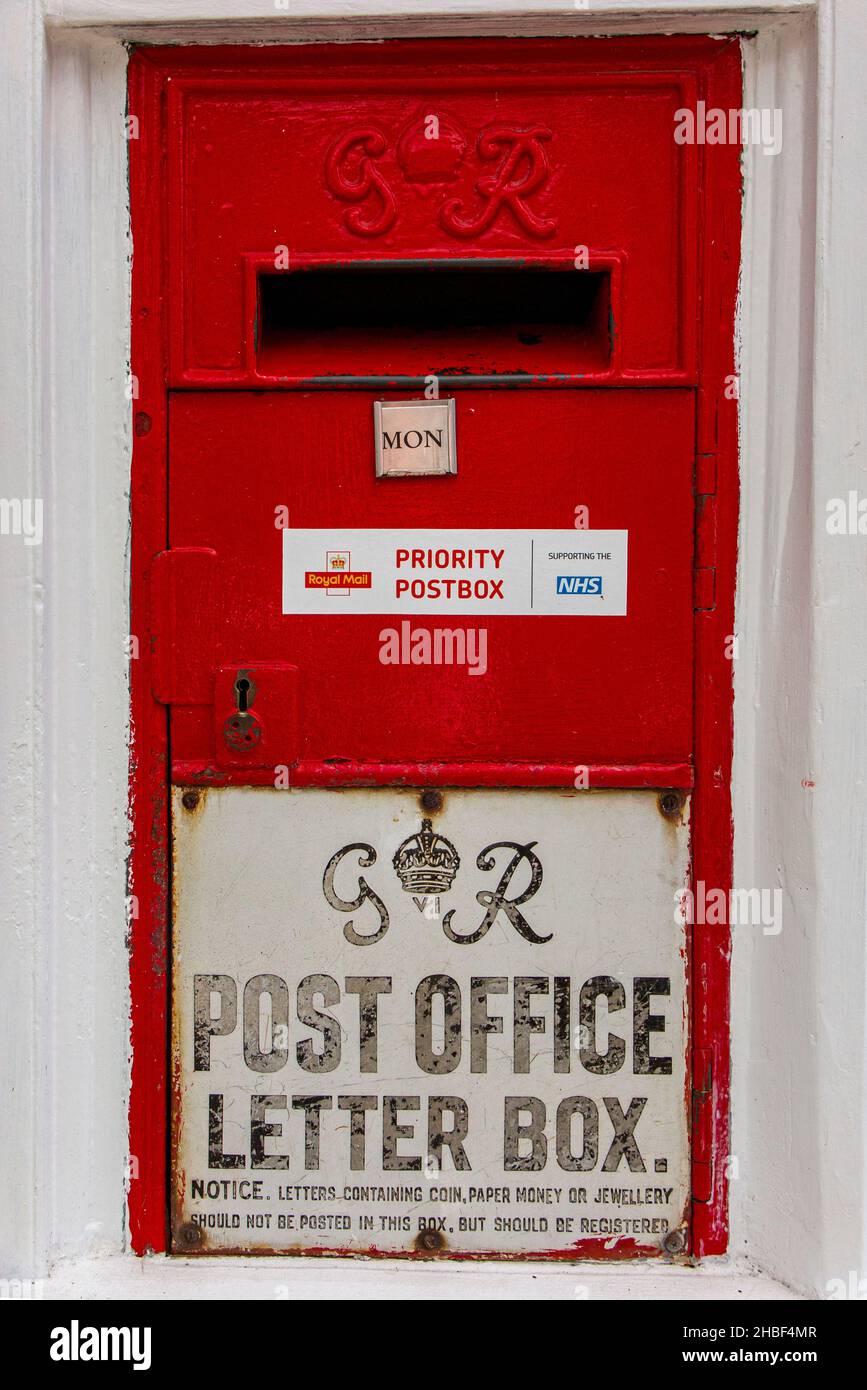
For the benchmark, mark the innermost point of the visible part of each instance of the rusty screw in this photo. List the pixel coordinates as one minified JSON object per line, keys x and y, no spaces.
{"x":431,"y":800}
{"x":189,"y":1236}
{"x":674,"y":1243}
{"x":190,"y":801}
{"x":430,"y":1240}
{"x":669,"y":804}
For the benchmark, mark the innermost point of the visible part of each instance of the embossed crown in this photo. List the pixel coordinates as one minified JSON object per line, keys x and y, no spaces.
{"x":426,"y":862}
{"x":431,"y":154}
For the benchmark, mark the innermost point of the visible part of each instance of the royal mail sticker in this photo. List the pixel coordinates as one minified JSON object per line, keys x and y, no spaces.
{"x":519,"y":573}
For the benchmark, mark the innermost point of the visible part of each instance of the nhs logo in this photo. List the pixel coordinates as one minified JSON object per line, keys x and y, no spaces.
{"x":587,"y":584}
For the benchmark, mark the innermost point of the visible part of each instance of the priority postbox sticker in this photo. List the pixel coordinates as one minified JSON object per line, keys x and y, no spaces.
{"x":516,"y":573}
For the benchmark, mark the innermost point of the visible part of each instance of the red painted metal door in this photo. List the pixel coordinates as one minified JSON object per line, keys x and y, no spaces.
{"x":509,"y":226}
{"x":611,"y":692}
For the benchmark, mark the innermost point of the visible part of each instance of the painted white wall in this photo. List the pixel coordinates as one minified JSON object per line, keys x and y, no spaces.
{"x":21,"y":590}
{"x":775,"y":1195}
{"x":800,"y":1065}
{"x":799,"y":1202}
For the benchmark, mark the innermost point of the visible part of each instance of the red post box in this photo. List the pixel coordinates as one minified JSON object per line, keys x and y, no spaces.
{"x":434,"y":538}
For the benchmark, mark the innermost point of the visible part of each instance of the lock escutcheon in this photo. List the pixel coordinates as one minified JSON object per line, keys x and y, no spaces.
{"x":242,"y":730}
{"x":250,"y":736}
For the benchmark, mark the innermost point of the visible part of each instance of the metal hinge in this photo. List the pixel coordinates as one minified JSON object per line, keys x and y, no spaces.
{"x":704,"y":589}
{"x":705,"y":475}
{"x":183,"y":588}
{"x":704,"y":586}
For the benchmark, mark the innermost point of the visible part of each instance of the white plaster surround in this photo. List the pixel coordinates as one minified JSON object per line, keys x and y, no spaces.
{"x":799,"y":1109}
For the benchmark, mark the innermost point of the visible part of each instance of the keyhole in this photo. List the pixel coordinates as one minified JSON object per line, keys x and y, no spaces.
{"x":242,"y":687}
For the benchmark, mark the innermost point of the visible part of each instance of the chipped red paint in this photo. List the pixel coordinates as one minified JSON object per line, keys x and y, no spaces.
{"x":716,"y":546}
{"x":597,"y":1249}
{"x":671,"y":286}
{"x":346,"y":773}
{"x":149,"y":868}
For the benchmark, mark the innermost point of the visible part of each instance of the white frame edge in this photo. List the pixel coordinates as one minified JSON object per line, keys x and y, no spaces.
{"x":799,"y":1204}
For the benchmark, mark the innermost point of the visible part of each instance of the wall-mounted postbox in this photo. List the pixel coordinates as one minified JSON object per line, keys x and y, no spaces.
{"x":431,"y":344}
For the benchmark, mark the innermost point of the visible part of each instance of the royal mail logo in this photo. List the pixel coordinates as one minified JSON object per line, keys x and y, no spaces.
{"x":588,"y":585}
{"x":338,"y":577}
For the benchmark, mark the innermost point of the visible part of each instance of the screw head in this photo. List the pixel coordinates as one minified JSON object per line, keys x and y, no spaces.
{"x":189,"y":1236}
{"x":190,"y":801}
{"x":674,"y":1243}
{"x":429,"y":1240}
{"x":669,"y":804}
{"x":432,"y":800}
